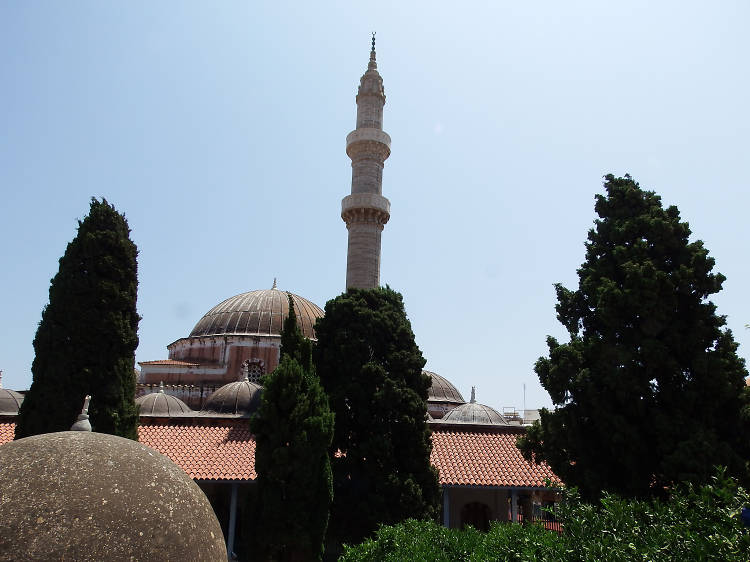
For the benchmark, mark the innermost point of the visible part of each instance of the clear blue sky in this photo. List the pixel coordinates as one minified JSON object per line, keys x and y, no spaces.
{"x":218,"y":129}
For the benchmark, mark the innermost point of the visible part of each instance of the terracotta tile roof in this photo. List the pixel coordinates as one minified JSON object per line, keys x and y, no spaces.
{"x":7,"y":432}
{"x":481,"y":458}
{"x":484,"y":458}
{"x":173,"y":362}
{"x":204,"y":452}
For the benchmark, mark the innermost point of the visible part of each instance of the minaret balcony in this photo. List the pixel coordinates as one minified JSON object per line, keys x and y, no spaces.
{"x":368,"y":134}
{"x":371,"y":203}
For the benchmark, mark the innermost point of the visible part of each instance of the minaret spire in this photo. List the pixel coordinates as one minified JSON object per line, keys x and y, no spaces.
{"x":365,"y":211}
{"x":372,"y":65}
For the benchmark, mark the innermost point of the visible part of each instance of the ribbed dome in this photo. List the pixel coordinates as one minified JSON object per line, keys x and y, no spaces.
{"x":442,"y":390}
{"x":257,"y":313}
{"x":161,"y":405}
{"x":10,"y":401}
{"x":474,"y":413}
{"x":239,"y":398}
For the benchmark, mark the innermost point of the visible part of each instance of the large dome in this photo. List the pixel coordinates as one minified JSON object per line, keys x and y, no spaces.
{"x":257,"y":313}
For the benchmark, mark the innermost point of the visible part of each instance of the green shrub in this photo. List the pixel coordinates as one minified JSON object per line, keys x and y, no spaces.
{"x":696,"y":523}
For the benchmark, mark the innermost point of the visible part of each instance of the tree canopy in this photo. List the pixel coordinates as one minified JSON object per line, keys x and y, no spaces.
{"x":371,"y":369}
{"x":87,"y":337}
{"x":293,"y":429}
{"x":649,"y":390}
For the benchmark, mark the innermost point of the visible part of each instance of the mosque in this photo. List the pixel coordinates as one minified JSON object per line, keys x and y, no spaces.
{"x":195,"y":404}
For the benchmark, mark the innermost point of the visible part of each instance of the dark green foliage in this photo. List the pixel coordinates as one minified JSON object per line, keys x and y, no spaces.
{"x":293,"y":429}
{"x":649,"y":390}
{"x":371,"y":369}
{"x":86,"y":340}
{"x":293,"y":343}
{"x":695,"y":524}
{"x":426,"y":540}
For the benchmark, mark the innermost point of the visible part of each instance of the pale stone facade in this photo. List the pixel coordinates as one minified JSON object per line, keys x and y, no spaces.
{"x":365,"y":211}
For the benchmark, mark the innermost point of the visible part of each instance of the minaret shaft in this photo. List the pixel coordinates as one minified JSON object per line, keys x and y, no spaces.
{"x":365,"y":211}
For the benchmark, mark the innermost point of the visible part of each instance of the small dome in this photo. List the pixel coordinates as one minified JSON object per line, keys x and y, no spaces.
{"x":10,"y":402}
{"x":471,"y":412}
{"x":240,"y":398}
{"x":474,"y":413}
{"x":159,"y":404}
{"x":85,"y":496}
{"x":257,"y":313}
{"x":442,"y":390}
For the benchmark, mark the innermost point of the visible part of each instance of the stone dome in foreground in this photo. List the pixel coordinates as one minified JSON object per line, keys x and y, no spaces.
{"x":159,"y":404}
{"x":241,"y":398}
{"x":77,"y":495}
{"x":257,"y":313}
{"x":474,"y":413}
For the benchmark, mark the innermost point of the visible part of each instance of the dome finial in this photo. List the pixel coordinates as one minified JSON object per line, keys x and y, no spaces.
{"x":274,"y":283}
{"x":83,"y":423}
{"x":373,"y":42}
{"x":161,"y":387}
{"x":473,"y":394}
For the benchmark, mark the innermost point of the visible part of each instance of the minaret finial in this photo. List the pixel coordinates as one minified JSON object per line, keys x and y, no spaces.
{"x":274,"y":283}
{"x":473,"y":394}
{"x":372,"y":65}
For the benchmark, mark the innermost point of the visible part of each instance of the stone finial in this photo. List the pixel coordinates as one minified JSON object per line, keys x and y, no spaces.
{"x":473,"y":394}
{"x":82,"y":423}
{"x":373,"y":42}
{"x":1,"y":379}
{"x":245,"y":373}
{"x":161,"y":387}
{"x":274,"y":283}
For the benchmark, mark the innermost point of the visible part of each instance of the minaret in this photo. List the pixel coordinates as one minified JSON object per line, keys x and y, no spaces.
{"x":365,"y":211}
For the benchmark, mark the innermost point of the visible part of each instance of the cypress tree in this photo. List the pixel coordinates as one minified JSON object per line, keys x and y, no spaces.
{"x":293,"y":430}
{"x":371,"y":368}
{"x":293,"y":343}
{"x":86,"y":340}
{"x":649,"y":390}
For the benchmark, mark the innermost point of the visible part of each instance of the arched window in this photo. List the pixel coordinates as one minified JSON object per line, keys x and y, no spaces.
{"x":477,"y":515}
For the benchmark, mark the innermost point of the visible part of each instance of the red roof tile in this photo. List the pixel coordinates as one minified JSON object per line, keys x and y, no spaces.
{"x":481,"y":458}
{"x":7,"y":432}
{"x":174,"y":362}
{"x":204,"y":452}
{"x":484,"y":458}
